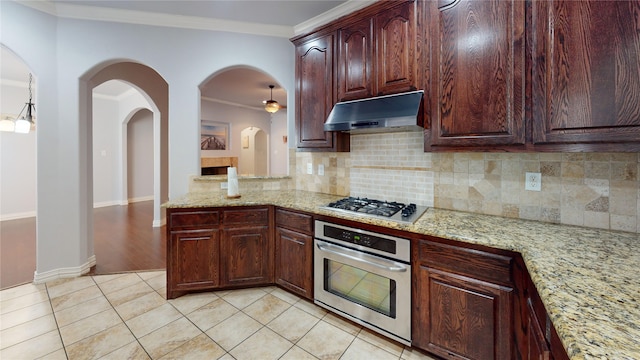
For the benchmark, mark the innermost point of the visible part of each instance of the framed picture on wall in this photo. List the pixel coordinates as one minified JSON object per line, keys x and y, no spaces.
{"x":214,"y":135}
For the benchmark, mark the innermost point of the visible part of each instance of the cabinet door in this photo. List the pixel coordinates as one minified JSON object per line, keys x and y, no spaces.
{"x":246,"y":256}
{"x":294,"y":262}
{"x":193,"y":263}
{"x":586,"y":83}
{"x":462,"y":318}
{"x":538,"y":349}
{"x":315,"y":95}
{"x":395,"y":33}
{"x":478,"y":72}
{"x":355,"y":56}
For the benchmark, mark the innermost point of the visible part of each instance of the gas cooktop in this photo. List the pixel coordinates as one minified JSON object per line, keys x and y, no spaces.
{"x":393,"y":211}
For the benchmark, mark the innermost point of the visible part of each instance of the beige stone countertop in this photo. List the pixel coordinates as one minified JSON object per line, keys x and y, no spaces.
{"x":587,"y":278}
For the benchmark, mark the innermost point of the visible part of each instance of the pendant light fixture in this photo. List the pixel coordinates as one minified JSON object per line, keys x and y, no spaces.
{"x":22,"y":124}
{"x":271,"y":105}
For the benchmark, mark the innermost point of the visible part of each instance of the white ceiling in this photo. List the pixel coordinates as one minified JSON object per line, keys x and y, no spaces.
{"x":243,"y":86}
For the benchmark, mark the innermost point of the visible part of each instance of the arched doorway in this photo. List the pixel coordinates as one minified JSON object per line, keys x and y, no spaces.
{"x":155,"y":89}
{"x":149,"y":86}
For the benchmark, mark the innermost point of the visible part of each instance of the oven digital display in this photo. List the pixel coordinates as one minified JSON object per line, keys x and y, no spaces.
{"x":366,"y":240}
{"x":370,"y":290}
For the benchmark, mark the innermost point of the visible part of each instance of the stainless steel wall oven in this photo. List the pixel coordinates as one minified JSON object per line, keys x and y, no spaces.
{"x":364,"y":276}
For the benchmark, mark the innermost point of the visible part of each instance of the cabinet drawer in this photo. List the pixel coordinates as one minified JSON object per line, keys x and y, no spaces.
{"x":294,"y":221}
{"x":246,"y":216}
{"x":478,"y":264}
{"x":198,"y":219}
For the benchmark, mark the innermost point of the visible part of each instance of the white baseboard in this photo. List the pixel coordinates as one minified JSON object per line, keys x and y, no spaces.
{"x":160,"y":223}
{"x":105,"y":204}
{"x":141,"y":198}
{"x":39,"y":278}
{"x":16,"y":216}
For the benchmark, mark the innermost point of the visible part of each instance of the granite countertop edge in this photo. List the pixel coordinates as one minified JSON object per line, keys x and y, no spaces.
{"x":584,"y":275}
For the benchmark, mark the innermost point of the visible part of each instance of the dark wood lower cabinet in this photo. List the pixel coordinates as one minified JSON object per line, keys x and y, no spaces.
{"x":469,"y":301}
{"x":294,"y":251}
{"x":537,"y":347}
{"x":463,"y":300}
{"x":246,"y":256}
{"x":213,"y":248}
{"x":534,"y":334}
{"x":462,"y":317}
{"x":191,"y":262}
{"x":294,"y":262}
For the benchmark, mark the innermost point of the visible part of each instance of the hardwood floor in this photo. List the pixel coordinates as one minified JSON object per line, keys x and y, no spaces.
{"x":124,"y":240}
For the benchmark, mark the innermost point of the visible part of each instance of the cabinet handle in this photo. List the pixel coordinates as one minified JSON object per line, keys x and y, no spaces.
{"x":195,"y":238}
{"x":363,"y":258}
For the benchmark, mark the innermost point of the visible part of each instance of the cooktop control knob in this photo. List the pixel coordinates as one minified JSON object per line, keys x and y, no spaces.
{"x":409,"y":210}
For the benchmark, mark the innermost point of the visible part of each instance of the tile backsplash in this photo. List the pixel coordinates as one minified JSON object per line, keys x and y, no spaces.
{"x":599,"y":190}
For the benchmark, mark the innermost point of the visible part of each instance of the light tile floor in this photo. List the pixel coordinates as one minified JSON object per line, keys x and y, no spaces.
{"x":127,"y":316}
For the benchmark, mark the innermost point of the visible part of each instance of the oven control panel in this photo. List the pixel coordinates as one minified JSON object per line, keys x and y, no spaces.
{"x":397,"y":248}
{"x":366,"y":240}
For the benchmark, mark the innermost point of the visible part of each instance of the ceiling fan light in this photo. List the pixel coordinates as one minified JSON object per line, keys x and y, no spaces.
{"x":272,"y":106}
{"x":23,"y":126}
{"x":7,"y":124}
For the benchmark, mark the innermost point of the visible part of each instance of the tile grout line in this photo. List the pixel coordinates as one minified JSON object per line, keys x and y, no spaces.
{"x":121,"y":319}
{"x":64,"y":348}
{"x":197,"y":327}
{"x":292,"y":302}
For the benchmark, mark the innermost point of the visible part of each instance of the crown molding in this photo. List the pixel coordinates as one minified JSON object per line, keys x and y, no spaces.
{"x":96,"y":13}
{"x":330,"y":15}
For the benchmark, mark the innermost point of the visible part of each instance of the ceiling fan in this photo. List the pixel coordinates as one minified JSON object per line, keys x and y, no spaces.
{"x":271,"y":105}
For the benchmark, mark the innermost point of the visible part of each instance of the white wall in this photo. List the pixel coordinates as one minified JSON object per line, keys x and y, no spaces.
{"x":62,"y":54}
{"x":106,"y":150}
{"x":140,"y":156}
{"x":279,"y":164}
{"x":17,"y":159}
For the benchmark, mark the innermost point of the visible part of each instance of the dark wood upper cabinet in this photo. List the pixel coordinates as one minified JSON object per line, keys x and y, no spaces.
{"x":355,"y":60}
{"x":315,"y":94}
{"x":396,"y":42}
{"x":477,"y":74}
{"x":586,"y":72}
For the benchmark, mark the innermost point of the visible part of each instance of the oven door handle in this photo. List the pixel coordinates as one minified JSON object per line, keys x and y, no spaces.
{"x":361,"y":257}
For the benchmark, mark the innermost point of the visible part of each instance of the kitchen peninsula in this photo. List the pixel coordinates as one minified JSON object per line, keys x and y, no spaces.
{"x":585,"y":277}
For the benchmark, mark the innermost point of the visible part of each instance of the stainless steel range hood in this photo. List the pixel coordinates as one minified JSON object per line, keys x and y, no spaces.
{"x":389,"y":113}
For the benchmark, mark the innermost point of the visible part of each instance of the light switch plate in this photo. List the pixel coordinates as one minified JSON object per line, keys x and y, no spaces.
{"x":533,"y":181}
{"x":310,"y":168}
{"x":321,"y":170}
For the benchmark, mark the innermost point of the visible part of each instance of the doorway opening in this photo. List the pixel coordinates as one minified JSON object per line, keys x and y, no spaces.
{"x":232,"y":107}
{"x":254,"y":159}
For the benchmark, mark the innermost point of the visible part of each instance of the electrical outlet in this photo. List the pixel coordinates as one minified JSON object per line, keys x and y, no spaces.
{"x":321,"y":170}
{"x":533,"y":181}
{"x":310,"y":168}
{"x":224,"y":185}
